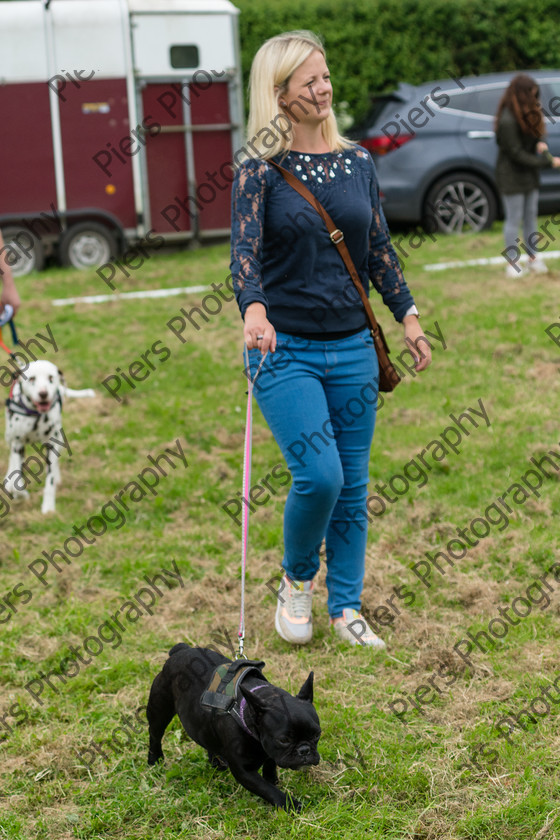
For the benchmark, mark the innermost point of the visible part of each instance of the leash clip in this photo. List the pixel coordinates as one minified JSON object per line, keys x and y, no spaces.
{"x":6,"y":314}
{"x":240,"y":654}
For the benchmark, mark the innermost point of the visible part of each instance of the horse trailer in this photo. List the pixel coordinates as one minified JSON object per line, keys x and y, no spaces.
{"x":120,"y":123}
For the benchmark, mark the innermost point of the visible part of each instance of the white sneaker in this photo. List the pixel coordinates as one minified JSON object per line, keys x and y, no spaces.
{"x":512,"y":272}
{"x":538,"y":266}
{"x":293,"y":611}
{"x":352,"y":627}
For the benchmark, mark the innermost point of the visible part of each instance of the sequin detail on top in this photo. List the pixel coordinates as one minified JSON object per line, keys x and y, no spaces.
{"x":385,"y":271}
{"x":322,"y":168}
{"x":281,"y":255}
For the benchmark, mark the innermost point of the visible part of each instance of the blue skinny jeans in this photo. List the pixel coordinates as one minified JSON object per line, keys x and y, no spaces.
{"x":319,"y":399}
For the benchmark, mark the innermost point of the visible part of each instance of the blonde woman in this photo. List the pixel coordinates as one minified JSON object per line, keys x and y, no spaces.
{"x":317,"y":388}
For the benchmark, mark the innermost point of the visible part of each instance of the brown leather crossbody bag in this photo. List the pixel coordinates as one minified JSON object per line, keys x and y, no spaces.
{"x":388,"y":376}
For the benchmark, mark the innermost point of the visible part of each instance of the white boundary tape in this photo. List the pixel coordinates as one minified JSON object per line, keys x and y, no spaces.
{"x":148,"y":293}
{"x":483,"y":261}
{"x":194,"y":290}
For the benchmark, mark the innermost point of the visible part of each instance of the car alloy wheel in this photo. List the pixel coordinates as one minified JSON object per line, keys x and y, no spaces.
{"x":459,"y":203}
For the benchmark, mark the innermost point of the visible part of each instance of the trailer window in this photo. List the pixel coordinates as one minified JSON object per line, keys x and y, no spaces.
{"x":184,"y":55}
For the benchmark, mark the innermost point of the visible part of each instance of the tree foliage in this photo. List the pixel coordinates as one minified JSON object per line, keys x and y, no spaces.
{"x":374,"y":44}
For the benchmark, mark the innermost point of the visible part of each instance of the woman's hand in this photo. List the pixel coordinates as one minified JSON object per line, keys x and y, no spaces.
{"x":417,"y":342}
{"x":257,"y":330}
{"x":542,"y":147}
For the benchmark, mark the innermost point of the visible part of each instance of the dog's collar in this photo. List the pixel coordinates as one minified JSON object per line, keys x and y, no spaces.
{"x":240,"y":716}
{"x":222,"y":694}
{"x":19,"y":407}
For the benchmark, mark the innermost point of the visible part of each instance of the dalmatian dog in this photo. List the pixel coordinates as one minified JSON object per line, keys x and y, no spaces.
{"x":34,"y":416}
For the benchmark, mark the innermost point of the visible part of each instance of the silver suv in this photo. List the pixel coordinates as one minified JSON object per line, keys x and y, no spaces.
{"x":435,"y":150}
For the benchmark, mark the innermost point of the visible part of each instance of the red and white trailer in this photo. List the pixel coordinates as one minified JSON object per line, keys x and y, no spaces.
{"x":120,"y":121}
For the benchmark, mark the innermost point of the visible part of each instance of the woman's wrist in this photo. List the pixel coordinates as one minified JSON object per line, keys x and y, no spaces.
{"x":9,"y":293}
{"x":256,"y":307}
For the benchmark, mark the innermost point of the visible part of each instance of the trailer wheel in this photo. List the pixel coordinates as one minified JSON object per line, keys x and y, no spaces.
{"x":87,"y":245}
{"x":22,"y":251}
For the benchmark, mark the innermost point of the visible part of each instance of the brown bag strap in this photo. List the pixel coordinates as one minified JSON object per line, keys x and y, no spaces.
{"x":337,"y":238}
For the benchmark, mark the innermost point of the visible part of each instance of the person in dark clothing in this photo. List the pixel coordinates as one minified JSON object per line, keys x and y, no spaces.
{"x":519,"y":127}
{"x":318,"y":387}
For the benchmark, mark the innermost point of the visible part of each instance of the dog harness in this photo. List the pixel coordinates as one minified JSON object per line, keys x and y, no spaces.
{"x":222,"y":694}
{"x":18,"y":407}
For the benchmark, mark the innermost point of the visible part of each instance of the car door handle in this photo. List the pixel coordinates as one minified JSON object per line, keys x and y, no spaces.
{"x":481,"y":135}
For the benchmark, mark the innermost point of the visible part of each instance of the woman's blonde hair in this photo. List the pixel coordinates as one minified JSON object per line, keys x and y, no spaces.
{"x":270,"y":127}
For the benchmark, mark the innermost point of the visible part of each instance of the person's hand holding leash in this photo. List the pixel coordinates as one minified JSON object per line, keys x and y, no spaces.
{"x":417,"y":342}
{"x":258,"y":331}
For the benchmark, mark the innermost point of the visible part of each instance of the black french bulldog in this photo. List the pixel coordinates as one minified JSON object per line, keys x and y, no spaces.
{"x":263,"y":726}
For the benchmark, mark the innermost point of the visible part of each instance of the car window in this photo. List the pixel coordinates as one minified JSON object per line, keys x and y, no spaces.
{"x":550,"y":101}
{"x":383,"y":108}
{"x":461,"y":101}
{"x":549,"y":89}
{"x":477,"y":102}
{"x":487,"y":101}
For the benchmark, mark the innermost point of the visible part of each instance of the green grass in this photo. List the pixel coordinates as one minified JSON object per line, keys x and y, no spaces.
{"x":443,"y":774}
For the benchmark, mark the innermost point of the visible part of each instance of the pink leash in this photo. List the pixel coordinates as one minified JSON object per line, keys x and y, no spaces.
{"x":246,"y":489}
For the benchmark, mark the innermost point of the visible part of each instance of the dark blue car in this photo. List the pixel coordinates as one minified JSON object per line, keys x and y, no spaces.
{"x":435,"y":150}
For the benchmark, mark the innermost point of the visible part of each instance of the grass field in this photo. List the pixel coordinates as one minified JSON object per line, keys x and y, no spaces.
{"x":414,"y":743}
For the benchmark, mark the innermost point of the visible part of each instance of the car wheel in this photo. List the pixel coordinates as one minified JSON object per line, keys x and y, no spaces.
{"x":22,"y":251}
{"x":458,"y":203}
{"x":87,"y":245}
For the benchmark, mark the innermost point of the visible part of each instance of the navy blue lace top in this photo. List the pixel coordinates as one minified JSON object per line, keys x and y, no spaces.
{"x":282,"y":255}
